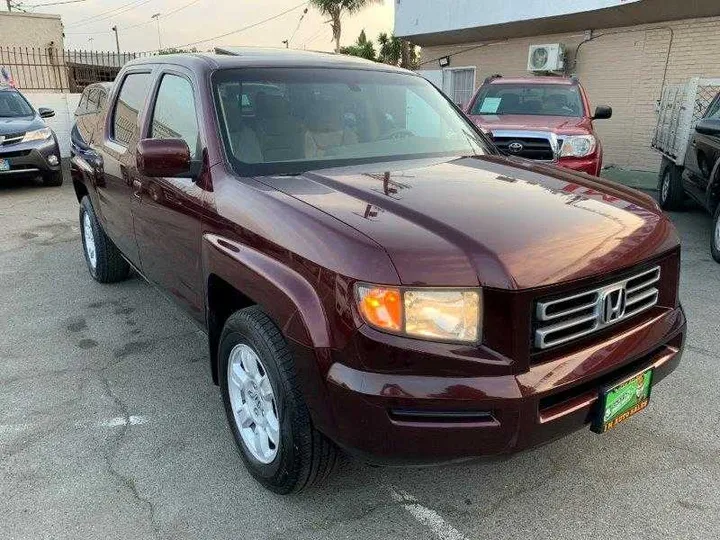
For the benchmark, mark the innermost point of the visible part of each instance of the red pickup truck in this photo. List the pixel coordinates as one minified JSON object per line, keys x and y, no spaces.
{"x":542,"y":118}
{"x":371,"y":273}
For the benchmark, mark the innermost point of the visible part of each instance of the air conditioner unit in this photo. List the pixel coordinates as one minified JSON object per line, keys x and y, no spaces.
{"x":546,"y":58}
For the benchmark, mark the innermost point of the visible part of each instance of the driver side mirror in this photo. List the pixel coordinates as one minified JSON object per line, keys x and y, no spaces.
{"x":709,"y":126}
{"x":602,"y":112}
{"x":45,"y":112}
{"x":158,"y":158}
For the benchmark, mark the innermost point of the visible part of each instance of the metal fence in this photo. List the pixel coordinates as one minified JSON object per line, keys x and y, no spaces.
{"x":52,"y":69}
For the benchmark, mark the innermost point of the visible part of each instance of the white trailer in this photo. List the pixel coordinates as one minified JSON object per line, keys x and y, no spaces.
{"x":687,"y":135}
{"x":679,"y":110}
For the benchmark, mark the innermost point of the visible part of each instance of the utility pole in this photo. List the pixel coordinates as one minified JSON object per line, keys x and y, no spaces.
{"x":9,"y":5}
{"x":117,"y":39}
{"x":157,"y":19}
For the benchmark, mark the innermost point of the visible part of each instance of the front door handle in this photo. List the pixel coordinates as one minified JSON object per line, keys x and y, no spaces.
{"x":137,"y":187}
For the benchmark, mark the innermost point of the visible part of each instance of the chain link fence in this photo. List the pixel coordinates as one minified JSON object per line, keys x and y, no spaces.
{"x":50,"y":69}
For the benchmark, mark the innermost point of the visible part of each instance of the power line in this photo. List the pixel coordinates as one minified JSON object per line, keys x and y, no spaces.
{"x":110,"y":13}
{"x":33,"y":6}
{"x":299,"y":23}
{"x":248,"y":27}
{"x":132,"y":26}
{"x":314,"y":37}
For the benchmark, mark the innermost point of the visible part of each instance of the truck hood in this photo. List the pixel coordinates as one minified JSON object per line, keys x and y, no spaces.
{"x":522,"y":122}
{"x":494,"y":221}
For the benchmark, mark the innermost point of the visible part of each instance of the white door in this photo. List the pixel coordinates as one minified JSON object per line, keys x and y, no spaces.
{"x":459,"y":85}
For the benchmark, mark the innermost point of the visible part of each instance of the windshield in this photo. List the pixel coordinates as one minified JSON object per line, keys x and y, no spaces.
{"x":532,"y":99}
{"x":290,"y":120}
{"x":13,"y":105}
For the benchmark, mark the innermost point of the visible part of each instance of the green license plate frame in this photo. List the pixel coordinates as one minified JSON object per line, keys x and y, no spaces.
{"x":621,"y":400}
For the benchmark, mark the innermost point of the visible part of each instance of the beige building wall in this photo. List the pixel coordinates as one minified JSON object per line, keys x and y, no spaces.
{"x":31,"y":48}
{"x":30,"y":30}
{"x":620,"y":67}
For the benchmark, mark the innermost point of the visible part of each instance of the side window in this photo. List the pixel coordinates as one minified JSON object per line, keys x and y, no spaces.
{"x":714,"y":109}
{"x":127,"y":109}
{"x":174,"y":116}
{"x":102,"y":98}
{"x":92,"y":101}
{"x":82,"y":105}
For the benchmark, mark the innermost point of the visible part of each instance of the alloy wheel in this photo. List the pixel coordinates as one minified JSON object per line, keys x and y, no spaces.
{"x":89,"y":238}
{"x":665,"y":188}
{"x":253,"y":403}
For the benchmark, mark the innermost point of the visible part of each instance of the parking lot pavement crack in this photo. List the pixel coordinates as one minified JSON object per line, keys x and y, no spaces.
{"x":127,"y":481}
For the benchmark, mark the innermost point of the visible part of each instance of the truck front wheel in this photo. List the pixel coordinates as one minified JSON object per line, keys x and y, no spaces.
{"x":265,"y":408}
{"x":671,"y":195}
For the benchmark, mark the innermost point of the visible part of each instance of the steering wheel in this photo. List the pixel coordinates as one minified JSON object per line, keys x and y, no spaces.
{"x":397,"y":134}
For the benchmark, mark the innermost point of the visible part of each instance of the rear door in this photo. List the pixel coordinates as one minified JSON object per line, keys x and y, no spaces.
{"x":168,"y":218}
{"x":117,"y":149}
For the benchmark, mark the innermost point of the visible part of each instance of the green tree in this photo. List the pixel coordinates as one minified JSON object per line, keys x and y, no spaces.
{"x":362,"y":48}
{"x":397,"y":52}
{"x":336,"y":9}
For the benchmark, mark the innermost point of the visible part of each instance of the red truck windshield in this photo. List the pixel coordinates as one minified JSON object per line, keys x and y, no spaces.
{"x":530,"y":99}
{"x":291,"y":120}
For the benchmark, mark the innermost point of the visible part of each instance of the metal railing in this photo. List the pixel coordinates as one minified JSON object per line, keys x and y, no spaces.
{"x":51,"y":69}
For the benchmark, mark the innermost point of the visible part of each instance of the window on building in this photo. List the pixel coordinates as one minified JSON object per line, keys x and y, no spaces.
{"x":174,"y":116}
{"x":129,"y":104}
{"x":459,"y":85}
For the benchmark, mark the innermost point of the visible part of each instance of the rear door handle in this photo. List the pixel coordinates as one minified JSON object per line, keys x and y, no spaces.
{"x":137,"y":187}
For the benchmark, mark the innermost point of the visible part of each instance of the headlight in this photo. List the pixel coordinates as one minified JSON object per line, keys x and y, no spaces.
{"x":433,"y":314}
{"x":38,"y":135}
{"x":578,"y":146}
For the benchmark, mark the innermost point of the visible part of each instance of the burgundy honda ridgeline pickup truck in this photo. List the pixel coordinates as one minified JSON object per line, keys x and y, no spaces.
{"x":371,"y":273}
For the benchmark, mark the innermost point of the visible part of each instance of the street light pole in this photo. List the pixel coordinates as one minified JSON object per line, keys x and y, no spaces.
{"x":157,"y":19}
{"x":117,"y":39}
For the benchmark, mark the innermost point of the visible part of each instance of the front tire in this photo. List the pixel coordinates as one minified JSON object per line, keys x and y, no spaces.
{"x":53,"y":179}
{"x":104,"y":260}
{"x":265,"y":408}
{"x":671,"y":194}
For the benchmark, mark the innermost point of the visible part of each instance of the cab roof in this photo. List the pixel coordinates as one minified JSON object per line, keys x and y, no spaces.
{"x":242,"y":57}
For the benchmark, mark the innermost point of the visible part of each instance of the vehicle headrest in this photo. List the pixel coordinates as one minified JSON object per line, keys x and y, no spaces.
{"x":271,"y":106}
{"x":325,"y":115}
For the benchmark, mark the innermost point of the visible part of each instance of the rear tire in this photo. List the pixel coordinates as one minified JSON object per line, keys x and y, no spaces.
{"x":302,"y":456}
{"x":715,"y":235}
{"x":103,"y":259}
{"x":53,"y":179}
{"x":671,"y":194}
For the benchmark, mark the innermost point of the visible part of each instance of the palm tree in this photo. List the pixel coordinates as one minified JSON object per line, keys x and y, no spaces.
{"x":363,"y":48}
{"x":335,"y":9}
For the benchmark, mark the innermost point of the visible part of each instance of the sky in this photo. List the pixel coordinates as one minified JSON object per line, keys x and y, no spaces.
{"x":196,"y":20}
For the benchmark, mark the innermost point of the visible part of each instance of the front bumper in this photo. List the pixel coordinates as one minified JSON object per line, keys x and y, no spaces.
{"x":30,"y":158}
{"x":406,"y":418}
{"x":591,"y":165}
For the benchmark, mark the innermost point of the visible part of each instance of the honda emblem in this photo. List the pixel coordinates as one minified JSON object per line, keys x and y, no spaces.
{"x":613,"y":304}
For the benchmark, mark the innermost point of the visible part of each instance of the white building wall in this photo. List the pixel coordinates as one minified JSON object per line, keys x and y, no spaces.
{"x":64,"y":105}
{"x":413,"y":17}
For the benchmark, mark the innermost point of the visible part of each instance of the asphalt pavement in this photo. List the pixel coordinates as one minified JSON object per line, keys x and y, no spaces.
{"x":111,"y":428}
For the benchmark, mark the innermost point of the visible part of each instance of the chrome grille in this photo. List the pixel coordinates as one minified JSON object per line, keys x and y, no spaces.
{"x":565,"y":319}
{"x":11,"y":138}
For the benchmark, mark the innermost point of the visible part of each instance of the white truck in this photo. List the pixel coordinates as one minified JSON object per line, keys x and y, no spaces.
{"x":687,"y":135}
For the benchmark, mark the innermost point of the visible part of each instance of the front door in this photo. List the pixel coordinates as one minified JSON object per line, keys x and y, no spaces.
{"x":116,"y":149}
{"x":703,"y":153}
{"x":169,"y":216}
